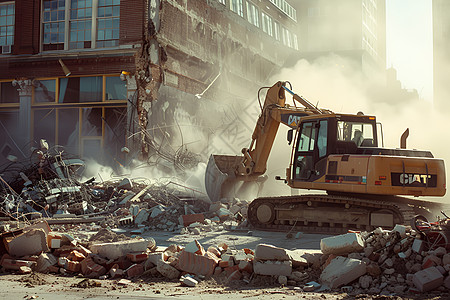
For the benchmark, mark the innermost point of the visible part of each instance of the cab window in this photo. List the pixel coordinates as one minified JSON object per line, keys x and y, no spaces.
{"x":322,"y":138}
{"x":307,"y":136}
{"x":359,"y":133}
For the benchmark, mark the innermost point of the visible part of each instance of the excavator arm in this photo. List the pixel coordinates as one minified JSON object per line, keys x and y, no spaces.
{"x":224,"y":172}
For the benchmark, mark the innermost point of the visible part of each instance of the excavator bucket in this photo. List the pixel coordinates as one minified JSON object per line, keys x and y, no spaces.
{"x":220,"y":169}
{"x":221,"y":181}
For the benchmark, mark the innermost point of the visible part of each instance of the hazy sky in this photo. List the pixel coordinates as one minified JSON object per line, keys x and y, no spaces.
{"x":410,"y":43}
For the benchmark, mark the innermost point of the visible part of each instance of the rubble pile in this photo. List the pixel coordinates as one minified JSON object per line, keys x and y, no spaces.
{"x":382,"y":262}
{"x":49,"y":185}
{"x":45,"y":184}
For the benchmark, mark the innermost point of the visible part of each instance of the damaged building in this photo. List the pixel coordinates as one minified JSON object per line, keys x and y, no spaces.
{"x":137,"y":78}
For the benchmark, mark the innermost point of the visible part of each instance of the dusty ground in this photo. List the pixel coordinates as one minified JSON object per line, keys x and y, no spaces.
{"x":44,"y":286}
{"x":47,"y":286}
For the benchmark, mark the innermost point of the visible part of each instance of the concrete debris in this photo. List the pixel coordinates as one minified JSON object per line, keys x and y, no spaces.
{"x":342,"y":244}
{"x":341,"y":271}
{"x":428,"y":279}
{"x":378,"y":262}
{"x":273,"y":268}
{"x":269,"y":252}
{"x":384,"y":262}
{"x":31,"y":242}
{"x":118,"y":249}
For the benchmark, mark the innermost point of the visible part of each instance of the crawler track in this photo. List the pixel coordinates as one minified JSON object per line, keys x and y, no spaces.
{"x":333,"y":213}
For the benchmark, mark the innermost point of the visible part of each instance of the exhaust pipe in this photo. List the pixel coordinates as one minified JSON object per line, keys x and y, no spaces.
{"x":403,"y":139}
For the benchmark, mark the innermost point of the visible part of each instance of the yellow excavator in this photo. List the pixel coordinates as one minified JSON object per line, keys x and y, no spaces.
{"x":332,"y":152}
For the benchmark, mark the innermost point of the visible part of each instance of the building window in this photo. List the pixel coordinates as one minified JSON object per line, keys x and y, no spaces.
{"x":286,"y":34}
{"x":7,"y":20}
{"x":115,"y":89}
{"x":44,"y":91}
{"x":276,"y":31}
{"x":8,"y":93}
{"x":53,"y":24}
{"x":295,"y":41}
{"x":236,"y":6}
{"x":267,"y":24}
{"x":252,"y":14}
{"x":80,"y":24}
{"x":285,"y":8}
{"x":108,"y":23}
{"x":80,"y":89}
{"x":90,"y":24}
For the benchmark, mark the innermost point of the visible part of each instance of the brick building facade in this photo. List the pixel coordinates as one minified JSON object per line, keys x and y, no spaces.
{"x":97,"y":75}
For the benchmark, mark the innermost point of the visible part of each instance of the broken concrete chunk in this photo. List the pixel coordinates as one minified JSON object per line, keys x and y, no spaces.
{"x":223,"y":213}
{"x":156,"y":211}
{"x":342,"y":244}
{"x":31,"y":242}
{"x":41,"y":224}
{"x":269,"y":252}
{"x":273,"y":268}
{"x":154,"y":258}
{"x":117,"y":249}
{"x":298,"y":258}
{"x":428,"y":279}
{"x":167,"y":270}
{"x":195,"y":247}
{"x":141,"y":216}
{"x":342,"y":271}
{"x":44,"y":261}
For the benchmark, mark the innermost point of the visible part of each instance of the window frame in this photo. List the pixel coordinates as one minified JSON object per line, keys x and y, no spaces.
{"x":267,"y":23}
{"x":87,"y":103}
{"x":253,"y":15}
{"x":67,"y":21}
{"x":239,"y":7}
{"x":13,"y":25}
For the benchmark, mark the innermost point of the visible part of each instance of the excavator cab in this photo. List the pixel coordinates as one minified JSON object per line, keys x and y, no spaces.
{"x":320,"y":136}
{"x":339,"y":153}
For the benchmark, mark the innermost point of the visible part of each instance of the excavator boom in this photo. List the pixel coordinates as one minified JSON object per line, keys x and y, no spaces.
{"x":225,"y":172}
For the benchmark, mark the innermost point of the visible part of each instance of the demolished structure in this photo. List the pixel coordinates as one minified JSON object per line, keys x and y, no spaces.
{"x":398,"y":262}
{"x":130,"y":75}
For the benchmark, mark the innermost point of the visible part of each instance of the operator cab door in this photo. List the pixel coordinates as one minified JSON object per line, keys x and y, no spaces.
{"x":311,"y":148}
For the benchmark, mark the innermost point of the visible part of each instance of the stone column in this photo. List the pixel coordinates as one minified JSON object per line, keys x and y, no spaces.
{"x":24,"y":86}
{"x":131,"y":113}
